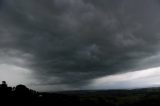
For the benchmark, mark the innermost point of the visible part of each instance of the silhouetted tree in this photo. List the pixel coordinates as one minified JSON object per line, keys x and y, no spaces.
{"x":4,"y":84}
{"x":21,"y":90}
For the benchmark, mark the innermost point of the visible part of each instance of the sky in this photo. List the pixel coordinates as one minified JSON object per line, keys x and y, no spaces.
{"x":52,"y":45}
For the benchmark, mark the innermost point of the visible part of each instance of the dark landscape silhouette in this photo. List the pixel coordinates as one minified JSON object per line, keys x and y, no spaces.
{"x":18,"y":91}
{"x":23,"y":96}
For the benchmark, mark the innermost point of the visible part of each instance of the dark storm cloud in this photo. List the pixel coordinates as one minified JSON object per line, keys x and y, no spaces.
{"x":78,"y":40}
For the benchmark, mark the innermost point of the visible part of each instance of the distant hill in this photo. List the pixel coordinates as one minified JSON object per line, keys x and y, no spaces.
{"x":23,"y":96}
{"x":135,"y":97}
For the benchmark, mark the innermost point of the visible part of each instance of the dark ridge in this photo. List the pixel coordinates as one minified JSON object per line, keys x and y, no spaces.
{"x":23,"y":96}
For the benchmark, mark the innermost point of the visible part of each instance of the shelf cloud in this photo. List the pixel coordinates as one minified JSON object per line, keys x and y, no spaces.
{"x":69,"y":43}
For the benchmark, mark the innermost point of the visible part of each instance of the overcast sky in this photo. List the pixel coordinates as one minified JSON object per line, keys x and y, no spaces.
{"x":52,"y":45}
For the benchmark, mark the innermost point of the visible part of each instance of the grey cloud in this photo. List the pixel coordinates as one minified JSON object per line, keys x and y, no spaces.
{"x":80,"y":40}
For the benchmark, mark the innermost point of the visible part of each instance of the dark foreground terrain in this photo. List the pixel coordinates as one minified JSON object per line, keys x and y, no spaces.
{"x":23,"y":96}
{"x":137,"y":97}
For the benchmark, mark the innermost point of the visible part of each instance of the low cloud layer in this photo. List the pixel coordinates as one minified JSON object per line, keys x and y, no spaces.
{"x":71,"y":42}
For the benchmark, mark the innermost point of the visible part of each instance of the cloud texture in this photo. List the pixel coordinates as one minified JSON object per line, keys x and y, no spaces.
{"x":70,"y":42}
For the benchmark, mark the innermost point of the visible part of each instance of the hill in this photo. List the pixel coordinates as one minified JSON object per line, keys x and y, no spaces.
{"x":23,"y":96}
{"x":135,"y":97}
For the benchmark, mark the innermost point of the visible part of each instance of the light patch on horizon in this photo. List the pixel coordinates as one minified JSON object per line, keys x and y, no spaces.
{"x":51,"y":88}
{"x":137,"y":79}
{"x":15,"y":75}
